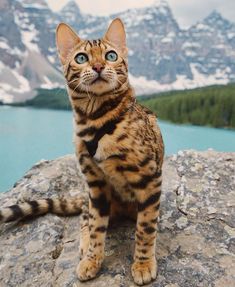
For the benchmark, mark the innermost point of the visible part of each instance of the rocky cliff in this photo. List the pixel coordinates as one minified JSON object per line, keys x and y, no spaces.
{"x":195,"y":245}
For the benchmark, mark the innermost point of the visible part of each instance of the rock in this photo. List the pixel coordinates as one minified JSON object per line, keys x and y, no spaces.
{"x":196,"y":239}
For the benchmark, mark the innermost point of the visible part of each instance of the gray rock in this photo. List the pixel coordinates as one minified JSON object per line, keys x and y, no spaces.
{"x":196,"y":239}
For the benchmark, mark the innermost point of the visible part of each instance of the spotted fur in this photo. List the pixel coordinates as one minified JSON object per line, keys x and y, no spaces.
{"x":119,"y":148}
{"x":118,"y":145}
{"x":60,"y":206}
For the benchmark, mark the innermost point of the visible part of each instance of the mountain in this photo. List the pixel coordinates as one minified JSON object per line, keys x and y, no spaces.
{"x":162,"y":56}
{"x":25,"y":49}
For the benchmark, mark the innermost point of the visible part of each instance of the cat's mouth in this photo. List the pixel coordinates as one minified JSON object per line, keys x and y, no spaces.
{"x":99,"y":79}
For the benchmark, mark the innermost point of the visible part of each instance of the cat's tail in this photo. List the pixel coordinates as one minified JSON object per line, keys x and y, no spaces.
{"x":60,"y":206}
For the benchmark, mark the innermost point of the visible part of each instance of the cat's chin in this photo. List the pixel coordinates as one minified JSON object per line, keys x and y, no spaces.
{"x":99,"y":80}
{"x":100,"y":87}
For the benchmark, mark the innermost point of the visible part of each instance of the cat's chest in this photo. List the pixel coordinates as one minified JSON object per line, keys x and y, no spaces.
{"x":105,"y":155}
{"x":102,"y":142}
{"x":106,"y":147}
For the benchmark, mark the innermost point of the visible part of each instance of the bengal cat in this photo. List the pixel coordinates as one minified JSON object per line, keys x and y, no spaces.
{"x":118,"y":145}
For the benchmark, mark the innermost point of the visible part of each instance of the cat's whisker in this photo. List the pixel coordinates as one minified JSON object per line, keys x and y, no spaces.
{"x":120,"y":82}
{"x":75,"y":89}
{"x":113,"y":86}
{"x":87,"y":91}
{"x":72,"y":81}
{"x":88,"y":102}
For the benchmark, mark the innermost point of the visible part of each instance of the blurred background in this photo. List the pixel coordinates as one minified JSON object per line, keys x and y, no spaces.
{"x":181,"y":62}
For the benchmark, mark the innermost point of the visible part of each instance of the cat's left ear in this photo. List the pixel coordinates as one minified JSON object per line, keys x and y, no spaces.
{"x":116,"y":34}
{"x":66,"y":40}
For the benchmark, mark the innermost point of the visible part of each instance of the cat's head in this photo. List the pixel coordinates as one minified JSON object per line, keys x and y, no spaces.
{"x":96,"y":66}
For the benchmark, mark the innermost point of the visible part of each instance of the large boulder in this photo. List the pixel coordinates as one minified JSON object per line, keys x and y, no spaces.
{"x":196,"y":239}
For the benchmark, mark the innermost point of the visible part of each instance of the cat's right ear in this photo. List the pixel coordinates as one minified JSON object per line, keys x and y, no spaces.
{"x":66,"y":40}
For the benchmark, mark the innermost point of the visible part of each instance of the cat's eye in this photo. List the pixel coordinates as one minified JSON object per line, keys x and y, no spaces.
{"x":81,"y":58}
{"x":111,"y":56}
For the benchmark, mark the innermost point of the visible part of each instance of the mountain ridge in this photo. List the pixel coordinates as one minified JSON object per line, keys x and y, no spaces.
{"x":177,"y":58}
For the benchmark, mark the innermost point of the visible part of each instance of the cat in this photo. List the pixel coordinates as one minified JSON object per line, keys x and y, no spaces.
{"x":119,"y":148}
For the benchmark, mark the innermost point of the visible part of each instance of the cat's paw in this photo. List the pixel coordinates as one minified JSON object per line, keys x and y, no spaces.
{"x":88,"y":268}
{"x":144,"y":272}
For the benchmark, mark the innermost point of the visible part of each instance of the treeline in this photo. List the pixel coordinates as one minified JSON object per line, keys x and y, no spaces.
{"x":213,"y":106}
{"x":56,"y":99}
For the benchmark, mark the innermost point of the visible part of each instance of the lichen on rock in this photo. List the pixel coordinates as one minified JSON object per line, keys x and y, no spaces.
{"x":196,"y":238}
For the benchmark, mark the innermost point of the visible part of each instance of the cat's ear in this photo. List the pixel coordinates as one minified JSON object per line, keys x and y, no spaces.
{"x":66,"y":40}
{"x":116,"y":34}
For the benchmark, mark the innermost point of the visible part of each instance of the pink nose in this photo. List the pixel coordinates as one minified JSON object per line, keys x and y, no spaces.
{"x":98,"y":67}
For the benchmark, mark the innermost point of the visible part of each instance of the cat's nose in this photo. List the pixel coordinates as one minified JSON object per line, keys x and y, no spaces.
{"x":98,"y":67}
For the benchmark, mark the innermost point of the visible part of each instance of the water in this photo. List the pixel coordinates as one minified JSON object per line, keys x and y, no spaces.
{"x":29,"y":135}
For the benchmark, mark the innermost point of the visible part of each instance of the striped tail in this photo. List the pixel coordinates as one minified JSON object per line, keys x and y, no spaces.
{"x":60,"y":206}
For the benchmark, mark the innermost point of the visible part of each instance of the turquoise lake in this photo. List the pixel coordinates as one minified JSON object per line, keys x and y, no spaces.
{"x":29,"y":135}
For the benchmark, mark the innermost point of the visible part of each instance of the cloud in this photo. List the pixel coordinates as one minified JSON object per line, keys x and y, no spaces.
{"x":189,"y":12}
{"x":186,"y":12}
{"x":105,"y":7}
{"x":102,"y":7}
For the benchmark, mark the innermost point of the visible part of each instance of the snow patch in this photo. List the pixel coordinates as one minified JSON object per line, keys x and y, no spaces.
{"x":52,"y":49}
{"x":17,"y":84}
{"x":231,"y":35}
{"x":35,"y":6}
{"x":31,"y":4}
{"x":187,"y":45}
{"x":23,"y":82}
{"x":130,"y":52}
{"x":17,"y":51}
{"x":189,"y":53}
{"x":4,"y":45}
{"x":51,"y":59}
{"x":27,"y":38}
{"x":28,"y":32}
{"x":201,"y":26}
{"x":5,"y":95}
{"x":144,"y":87}
{"x":49,"y":84}
{"x":166,"y":40}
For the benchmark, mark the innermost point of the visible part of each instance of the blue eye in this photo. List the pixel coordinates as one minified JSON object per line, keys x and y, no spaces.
{"x":81,"y":58}
{"x":111,"y":56}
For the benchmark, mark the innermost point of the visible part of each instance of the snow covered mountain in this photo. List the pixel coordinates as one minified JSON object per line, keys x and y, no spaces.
{"x":26,"y":43}
{"x":162,"y":56}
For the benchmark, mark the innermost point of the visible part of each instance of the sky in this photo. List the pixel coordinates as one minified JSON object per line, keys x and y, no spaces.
{"x":186,"y":12}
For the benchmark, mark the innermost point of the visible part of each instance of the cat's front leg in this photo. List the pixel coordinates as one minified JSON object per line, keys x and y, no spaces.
{"x":144,"y":268}
{"x":98,"y":223}
{"x":84,"y":232}
{"x":99,"y":207}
